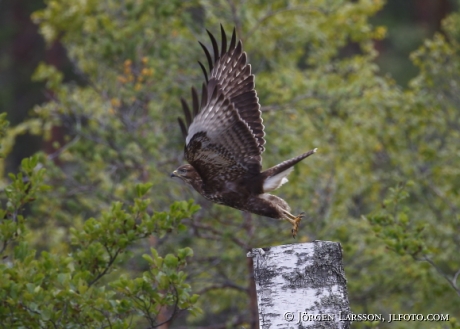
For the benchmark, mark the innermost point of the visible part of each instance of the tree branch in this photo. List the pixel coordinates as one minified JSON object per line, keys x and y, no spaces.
{"x":452,"y":283}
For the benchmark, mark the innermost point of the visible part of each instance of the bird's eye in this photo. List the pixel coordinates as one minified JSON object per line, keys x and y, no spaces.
{"x":182,"y":171}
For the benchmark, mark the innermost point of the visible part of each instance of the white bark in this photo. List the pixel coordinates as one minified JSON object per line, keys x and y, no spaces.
{"x":301,"y":286}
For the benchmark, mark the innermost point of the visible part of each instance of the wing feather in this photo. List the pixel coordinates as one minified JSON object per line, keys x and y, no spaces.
{"x":208,"y":56}
{"x":186,"y":110}
{"x":214,"y":46}
{"x":219,"y":144}
{"x":226,"y":136}
{"x":205,"y":73}
{"x":224,"y":41}
{"x":232,"y":72}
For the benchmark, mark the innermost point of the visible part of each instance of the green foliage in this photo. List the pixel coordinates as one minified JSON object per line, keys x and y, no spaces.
{"x":384,"y":181}
{"x":393,"y":225}
{"x":3,"y":128}
{"x":76,"y":289}
{"x":23,"y":189}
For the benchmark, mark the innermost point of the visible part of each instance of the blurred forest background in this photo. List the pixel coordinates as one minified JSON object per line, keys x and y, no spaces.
{"x":93,"y":233}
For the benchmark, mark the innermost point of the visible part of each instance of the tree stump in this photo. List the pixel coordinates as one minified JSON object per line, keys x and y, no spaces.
{"x":301,"y":286}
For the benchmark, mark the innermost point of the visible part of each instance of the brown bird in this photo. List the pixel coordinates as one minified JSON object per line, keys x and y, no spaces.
{"x":224,"y":139}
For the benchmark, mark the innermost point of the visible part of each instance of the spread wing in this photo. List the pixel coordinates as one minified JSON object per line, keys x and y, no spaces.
{"x":224,"y":134}
{"x":233,"y":73}
{"x":219,"y":144}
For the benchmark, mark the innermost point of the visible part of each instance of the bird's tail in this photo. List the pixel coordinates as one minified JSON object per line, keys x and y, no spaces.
{"x":275,"y":176}
{"x":283,"y":166}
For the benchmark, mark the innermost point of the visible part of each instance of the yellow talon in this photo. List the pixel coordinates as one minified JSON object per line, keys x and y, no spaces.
{"x":295,"y":224}
{"x":295,"y":221}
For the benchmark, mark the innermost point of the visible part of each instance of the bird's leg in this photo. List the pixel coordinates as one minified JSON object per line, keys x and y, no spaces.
{"x":294,"y":220}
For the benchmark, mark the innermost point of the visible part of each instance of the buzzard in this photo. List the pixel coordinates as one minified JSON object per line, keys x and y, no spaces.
{"x":224,"y":139}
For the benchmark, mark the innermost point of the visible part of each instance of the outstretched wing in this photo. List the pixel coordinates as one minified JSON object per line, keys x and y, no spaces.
{"x":233,"y":73}
{"x":224,"y":135}
{"x":219,"y":144}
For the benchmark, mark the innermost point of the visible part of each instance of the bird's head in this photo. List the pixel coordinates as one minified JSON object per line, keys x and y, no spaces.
{"x":185,"y":172}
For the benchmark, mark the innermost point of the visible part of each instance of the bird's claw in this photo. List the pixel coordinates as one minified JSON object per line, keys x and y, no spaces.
{"x":295,"y":224}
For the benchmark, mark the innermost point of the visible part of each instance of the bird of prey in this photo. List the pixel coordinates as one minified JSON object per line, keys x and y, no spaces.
{"x":224,"y":139}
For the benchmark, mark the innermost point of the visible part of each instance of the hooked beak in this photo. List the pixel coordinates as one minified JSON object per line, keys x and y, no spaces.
{"x":174,"y":174}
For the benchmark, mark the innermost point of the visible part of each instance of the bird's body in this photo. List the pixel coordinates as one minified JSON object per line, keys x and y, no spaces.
{"x":224,"y":139}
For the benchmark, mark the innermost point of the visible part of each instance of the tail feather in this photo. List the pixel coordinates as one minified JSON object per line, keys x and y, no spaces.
{"x":285,"y":165}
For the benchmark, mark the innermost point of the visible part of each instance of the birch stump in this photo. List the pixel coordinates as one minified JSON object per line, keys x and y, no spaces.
{"x":301,"y":286}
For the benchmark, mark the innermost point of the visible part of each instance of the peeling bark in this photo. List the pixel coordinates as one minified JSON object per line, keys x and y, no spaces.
{"x":301,"y":286}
